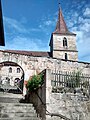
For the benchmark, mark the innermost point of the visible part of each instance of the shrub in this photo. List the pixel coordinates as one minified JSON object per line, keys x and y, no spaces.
{"x":35,"y":82}
{"x":74,"y":81}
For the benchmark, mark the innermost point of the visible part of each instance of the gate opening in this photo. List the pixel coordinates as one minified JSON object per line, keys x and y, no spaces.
{"x":11,"y":77}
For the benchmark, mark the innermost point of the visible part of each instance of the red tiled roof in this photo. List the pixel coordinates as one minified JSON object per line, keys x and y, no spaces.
{"x":61,"y":27}
{"x":30,"y":53}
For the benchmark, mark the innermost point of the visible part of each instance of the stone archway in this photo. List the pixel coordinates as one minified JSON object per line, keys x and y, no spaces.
{"x":11,"y":77}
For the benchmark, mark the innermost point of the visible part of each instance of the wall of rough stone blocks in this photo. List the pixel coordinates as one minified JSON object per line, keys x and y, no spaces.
{"x":38,"y":98}
{"x":59,"y":50}
{"x":61,"y":54}
{"x":58,"y":42}
{"x":70,"y":105}
{"x":4,"y":74}
{"x":34,"y":65}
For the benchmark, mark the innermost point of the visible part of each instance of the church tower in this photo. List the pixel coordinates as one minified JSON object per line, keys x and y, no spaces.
{"x":63,"y":42}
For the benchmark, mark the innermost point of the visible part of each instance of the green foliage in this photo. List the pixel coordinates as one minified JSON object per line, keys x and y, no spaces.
{"x":35,"y":82}
{"x":74,"y":80}
{"x":85,"y":84}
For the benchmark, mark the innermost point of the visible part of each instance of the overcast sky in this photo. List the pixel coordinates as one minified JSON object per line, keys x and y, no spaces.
{"x":28,"y":24}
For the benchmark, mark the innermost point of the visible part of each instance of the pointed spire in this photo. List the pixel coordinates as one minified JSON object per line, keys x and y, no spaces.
{"x":2,"y":43}
{"x":61,"y":27}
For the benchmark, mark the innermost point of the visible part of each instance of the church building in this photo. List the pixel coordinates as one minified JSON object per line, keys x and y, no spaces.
{"x":63,"y":56}
{"x":65,"y":92}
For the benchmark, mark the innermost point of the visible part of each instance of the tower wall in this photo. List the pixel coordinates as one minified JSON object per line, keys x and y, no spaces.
{"x":61,"y":55}
{"x":59,"y":49}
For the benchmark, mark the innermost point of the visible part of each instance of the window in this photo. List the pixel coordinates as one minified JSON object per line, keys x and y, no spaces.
{"x":18,"y":70}
{"x":10,"y":70}
{"x":7,"y":80}
{"x":66,"y":57}
{"x":64,"y":42}
{"x":16,"y":81}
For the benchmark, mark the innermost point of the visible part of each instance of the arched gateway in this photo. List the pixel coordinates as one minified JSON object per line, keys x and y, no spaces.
{"x":11,"y":77}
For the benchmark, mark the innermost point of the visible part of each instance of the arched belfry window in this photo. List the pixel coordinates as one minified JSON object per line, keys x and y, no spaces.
{"x":10,"y":70}
{"x":64,"y":41}
{"x":66,"y":56}
{"x":18,"y":70}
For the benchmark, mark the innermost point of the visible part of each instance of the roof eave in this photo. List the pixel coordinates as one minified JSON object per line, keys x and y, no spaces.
{"x":69,"y":33}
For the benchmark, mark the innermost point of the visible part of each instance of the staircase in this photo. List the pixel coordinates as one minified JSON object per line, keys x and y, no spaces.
{"x":11,"y":109}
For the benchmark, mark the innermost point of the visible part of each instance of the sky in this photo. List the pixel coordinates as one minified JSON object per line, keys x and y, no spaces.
{"x":28,"y":24}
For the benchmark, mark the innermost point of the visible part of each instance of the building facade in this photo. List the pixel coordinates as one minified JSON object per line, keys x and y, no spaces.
{"x":63,"y":56}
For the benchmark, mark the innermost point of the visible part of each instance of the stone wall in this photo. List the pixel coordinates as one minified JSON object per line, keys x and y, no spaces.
{"x":58,"y":41}
{"x":38,"y":98}
{"x":59,"y":50}
{"x":70,"y":55}
{"x":70,"y":105}
{"x":33,"y":65}
{"x":6,"y":75}
{"x":60,"y":105}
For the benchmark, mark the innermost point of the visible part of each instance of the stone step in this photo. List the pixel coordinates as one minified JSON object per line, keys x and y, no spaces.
{"x":16,"y":104}
{"x":9,"y":100}
{"x":12,"y":115}
{"x":6,"y":108}
{"x":19,"y":118}
{"x":10,"y":95}
{"x":11,"y":109}
{"x":17,"y":110}
{"x":14,"y":107}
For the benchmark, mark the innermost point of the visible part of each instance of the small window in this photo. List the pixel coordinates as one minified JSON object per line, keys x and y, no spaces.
{"x":18,"y":70}
{"x":64,"y":41}
{"x":16,"y":81}
{"x":10,"y":70}
{"x":66,"y":57}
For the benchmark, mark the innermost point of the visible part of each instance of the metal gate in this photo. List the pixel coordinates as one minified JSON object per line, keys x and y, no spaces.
{"x":11,"y":77}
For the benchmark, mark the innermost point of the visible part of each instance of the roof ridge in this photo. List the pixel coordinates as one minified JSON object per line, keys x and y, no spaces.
{"x":30,"y":53}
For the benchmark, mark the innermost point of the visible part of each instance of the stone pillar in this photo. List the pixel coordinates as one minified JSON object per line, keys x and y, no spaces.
{"x":48,"y":92}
